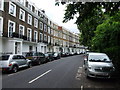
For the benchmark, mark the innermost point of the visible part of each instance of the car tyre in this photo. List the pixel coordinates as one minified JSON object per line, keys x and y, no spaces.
{"x":30,"y":65}
{"x":14,"y":69}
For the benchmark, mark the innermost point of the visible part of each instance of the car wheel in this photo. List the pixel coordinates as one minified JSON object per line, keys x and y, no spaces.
{"x":30,"y":65}
{"x":14,"y":69}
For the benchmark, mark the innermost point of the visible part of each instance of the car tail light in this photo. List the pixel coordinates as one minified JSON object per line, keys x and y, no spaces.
{"x":10,"y":64}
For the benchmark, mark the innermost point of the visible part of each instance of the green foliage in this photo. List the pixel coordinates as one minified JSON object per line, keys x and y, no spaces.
{"x":107,"y":37}
{"x":100,"y":31}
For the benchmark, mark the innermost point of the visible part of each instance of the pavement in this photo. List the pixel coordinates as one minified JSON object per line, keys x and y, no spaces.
{"x":63,"y":73}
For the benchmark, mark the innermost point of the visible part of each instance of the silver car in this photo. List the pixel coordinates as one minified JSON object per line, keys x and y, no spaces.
{"x":98,"y":65}
{"x":13,"y":62}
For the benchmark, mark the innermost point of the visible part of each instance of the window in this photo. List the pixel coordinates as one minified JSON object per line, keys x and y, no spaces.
{"x":36,"y":12}
{"x":1,"y":26}
{"x":41,"y":25}
{"x":22,"y":15}
{"x":21,"y":29}
{"x":35,"y":36}
{"x":11,"y":28}
{"x":48,"y":39}
{"x":45,"y":19}
{"x":29,"y":19}
{"x":41,"y":37}
{"x":1,"y":4}
{"x":49,"y":30}
{"x":29,"y":6}
{"x":29,"y":34}
{"x":45,"y":27}
{"x":52,"y":32}
{"x":22,"y":2}
{"x":35,"y":23}
{"x":45,"y":37}
{"x":12,"y":9}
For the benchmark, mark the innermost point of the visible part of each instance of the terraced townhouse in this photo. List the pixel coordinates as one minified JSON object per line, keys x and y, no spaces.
{"x":24,"y":28}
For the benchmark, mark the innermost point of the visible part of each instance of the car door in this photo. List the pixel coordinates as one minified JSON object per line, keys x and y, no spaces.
{"x":23,"y":60}
{"x":42,"y":57}
{"x":17,"y":59}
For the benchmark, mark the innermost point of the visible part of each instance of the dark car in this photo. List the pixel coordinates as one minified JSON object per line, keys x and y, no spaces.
{"x":56,"y":55}
{"x":36,"y":57}
{"x":49,"y":57}
{"x":67,"y":54}
{"x":63,"y":54}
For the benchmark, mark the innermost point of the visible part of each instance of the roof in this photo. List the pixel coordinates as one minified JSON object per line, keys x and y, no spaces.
{"x":95,"y":53}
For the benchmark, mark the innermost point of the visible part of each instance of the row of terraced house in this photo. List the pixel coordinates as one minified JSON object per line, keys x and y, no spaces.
{"x":25,"y":28}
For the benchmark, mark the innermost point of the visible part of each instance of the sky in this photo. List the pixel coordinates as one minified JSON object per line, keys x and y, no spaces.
{"x":56,"y":13}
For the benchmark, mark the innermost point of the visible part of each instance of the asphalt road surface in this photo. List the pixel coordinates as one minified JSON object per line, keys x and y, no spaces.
{"x":66,"y":72}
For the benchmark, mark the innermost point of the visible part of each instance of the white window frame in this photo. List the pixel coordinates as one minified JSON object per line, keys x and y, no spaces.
{"x":45,"y":39}
{"x":36,"y":22}
{"x":41,"y":38}
{"x":1,"y":26}
{"x":36,"y":11}
{"x":45,"y":27}
{"x":23,"y":29}
{"x":22,"y":2}
{"x":2,"y":5}
{"x":14,"y":13}
{"x":30,"y":33}
{"x":36,"y":35}
{"x":49,"y":30}
{"x":9,"y":26}
{"x":48,"y":39}
{"x":30,"y":19}
{"x":41,"y":25}
{"x":30,"y":8}
{"x":21,"y":10}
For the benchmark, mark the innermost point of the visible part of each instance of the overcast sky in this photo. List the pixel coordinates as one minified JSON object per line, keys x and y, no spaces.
{"x":55,"y":13}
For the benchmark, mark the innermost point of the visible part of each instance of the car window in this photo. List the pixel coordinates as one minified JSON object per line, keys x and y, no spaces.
{"x":29,"y":54}
{"x":4,"y":57}
{"x":102,"y":58}
{"x":22,"y":57}
{"x":18,"y":57}
{"x":15,"y":57}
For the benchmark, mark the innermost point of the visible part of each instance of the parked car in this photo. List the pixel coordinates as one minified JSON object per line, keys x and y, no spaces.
{"x":67,"y":54}
{"x":56,"y":55}
{"x":71,"y":53}
{"x":36,"y":57}
{"x":63,"y":54}
{"x":98,"y":65}
{"x":13,"y":62}
{"x":49,"y":57}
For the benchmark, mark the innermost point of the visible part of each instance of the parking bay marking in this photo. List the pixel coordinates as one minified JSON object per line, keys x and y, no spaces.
{"x":39,"y":76}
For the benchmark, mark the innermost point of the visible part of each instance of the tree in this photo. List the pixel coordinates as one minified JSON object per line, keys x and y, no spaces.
{"x":107,"y":37}
{"x":89,"y":16}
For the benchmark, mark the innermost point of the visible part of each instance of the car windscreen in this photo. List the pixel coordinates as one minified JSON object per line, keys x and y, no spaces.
{"x":99,"y":58}
{"x":4,"y":57}
{"x":29,"y":54}
{"x":46,"y":54}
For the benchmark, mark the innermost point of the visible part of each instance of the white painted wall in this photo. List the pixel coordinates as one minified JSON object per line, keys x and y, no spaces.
{"x":8,"y":46}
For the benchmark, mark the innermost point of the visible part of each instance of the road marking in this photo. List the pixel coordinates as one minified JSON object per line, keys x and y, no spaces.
{"x":81,"y":87}
{"x":10,"y":74}
{"x":80,"y":67}
{"x":39,"y":76}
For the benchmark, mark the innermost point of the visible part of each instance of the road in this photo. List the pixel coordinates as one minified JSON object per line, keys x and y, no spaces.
{"x":66,"y":72}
